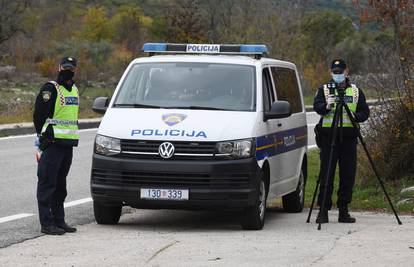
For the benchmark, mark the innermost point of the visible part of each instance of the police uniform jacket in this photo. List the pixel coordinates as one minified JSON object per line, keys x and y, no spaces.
{"x":45,"y":108}
{"x":361,"y":114}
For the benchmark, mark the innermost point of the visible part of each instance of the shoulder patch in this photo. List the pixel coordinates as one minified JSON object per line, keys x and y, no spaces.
{"x":46,"y":95}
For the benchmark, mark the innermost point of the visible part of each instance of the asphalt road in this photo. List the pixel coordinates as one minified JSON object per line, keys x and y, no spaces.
{"x":182,"y":238}
{"x":18,"y":208}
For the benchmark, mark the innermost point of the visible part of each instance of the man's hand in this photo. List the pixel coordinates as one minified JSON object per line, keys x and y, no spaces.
{"x":330,"y":101}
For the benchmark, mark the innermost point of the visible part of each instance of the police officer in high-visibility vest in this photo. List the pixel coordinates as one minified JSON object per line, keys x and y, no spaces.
{"x":345,"y":151}
{"x":56,"y":121}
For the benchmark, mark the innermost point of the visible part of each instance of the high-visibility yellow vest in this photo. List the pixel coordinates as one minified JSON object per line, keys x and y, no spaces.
{"x":65,"y":117}
{"x":351,"y":99}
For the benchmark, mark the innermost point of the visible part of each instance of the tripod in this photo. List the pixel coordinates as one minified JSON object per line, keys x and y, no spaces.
{"x":336,"y":124}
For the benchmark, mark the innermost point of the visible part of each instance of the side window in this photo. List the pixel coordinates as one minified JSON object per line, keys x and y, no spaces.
{"x":287,"y":87}
{"x":268,"y":92}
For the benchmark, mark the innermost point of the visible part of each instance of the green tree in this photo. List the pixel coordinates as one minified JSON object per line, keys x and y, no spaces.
{"x":322,"y":31}
{"x":96,"y":26}
{"x":129,"y":28}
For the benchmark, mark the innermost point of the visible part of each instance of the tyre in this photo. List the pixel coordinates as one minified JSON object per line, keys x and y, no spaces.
{"x":253,"y":218}
{"x":294,"y":202}
{"x":106,"y":214}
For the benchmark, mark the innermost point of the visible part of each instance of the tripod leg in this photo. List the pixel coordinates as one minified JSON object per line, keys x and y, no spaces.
{"x":355,"y":125}
{"x":334,"y":131}
{"x":313,"y":201}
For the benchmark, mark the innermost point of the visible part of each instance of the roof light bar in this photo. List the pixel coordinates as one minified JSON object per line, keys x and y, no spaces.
{"x":205,"y":49}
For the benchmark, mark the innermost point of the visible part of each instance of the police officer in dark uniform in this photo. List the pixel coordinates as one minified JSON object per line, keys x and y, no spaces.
{"x":56,"y":121}
{"x":345,"y":151}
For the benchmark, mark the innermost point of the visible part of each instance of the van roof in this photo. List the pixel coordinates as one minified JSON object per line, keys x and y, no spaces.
{"x":224,"y":59}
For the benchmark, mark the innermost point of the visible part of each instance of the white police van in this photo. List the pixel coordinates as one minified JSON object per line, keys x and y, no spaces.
{"x":201,"y":127}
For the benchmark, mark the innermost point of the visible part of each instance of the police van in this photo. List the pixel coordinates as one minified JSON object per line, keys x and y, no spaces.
{"x":196,"y":126}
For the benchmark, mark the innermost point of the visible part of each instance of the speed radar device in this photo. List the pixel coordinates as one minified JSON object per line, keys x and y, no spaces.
{"x":201,"y":126}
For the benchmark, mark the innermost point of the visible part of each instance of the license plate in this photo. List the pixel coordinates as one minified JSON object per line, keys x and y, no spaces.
{"x":164,"y":194}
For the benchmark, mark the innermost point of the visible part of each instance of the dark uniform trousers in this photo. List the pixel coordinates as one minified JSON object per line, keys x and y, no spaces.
{"x":345,"y":155}
{"x":52,"y":170}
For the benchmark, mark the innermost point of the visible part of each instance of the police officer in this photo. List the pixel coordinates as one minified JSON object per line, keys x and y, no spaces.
{"x":345,"y":150}
{"x":56,"y":121}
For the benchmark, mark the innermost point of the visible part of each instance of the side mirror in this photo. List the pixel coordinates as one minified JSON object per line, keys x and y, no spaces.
{"x":279,"y":109}
{"x":100,"y":104}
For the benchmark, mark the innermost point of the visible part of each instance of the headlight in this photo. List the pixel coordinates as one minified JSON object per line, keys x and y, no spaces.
{"x":106,"y":145}
{"x":236,"y":149}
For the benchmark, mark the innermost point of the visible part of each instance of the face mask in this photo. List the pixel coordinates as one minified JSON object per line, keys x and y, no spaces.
{"x":66,"y":75}
{"x":338,"y":78}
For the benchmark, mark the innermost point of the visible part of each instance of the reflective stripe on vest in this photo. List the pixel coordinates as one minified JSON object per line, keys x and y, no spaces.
{"x":351,"y":99}
{"x":62,"y":122}
{"x":65,"y":118}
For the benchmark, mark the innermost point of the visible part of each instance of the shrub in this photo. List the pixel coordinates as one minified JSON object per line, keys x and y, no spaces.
{"x":48,"y":67}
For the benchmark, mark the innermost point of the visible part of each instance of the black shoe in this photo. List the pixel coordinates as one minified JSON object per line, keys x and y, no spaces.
{"x":322,"y":217}
{"x":344,"y":216}
{"x":67,"y":228}
{"x":52,"y":230}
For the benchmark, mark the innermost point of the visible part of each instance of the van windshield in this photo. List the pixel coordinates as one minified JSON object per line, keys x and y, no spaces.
{"x":188,"y":86}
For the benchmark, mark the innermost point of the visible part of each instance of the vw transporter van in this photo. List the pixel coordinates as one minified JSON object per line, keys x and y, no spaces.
{"x":201,"y":126}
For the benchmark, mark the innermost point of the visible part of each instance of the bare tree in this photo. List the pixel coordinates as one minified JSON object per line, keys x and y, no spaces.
{"x":10,"y":17}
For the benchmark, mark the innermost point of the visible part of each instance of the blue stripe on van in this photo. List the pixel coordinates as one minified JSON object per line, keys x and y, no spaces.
{"x":280,"y":142}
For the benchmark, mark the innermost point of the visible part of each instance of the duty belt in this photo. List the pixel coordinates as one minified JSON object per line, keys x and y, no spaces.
{"x":61,"y":122}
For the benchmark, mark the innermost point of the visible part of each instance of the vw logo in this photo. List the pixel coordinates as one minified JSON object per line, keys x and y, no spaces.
{"x":166,"y":150}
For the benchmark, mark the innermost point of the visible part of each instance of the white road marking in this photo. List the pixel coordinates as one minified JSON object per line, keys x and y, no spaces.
{"x":77,"y":202}
{"x":15,"y":217}
{"x":33,"y":135}
{"x":25,"y":215}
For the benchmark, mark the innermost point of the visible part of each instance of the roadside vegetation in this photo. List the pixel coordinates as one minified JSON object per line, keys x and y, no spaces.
{"x":106,"y":35}
{"x":366,"y":196}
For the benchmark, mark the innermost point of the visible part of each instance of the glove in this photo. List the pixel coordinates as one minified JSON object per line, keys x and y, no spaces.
{"x":330,"y":101}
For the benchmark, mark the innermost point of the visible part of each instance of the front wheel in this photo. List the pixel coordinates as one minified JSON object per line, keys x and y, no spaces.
{"x":106,"y":214}
{"x":295,"y":201}
{"x":253,"y":218}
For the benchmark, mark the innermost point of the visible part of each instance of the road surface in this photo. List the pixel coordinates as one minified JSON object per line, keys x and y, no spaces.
{"x":18,"y":207}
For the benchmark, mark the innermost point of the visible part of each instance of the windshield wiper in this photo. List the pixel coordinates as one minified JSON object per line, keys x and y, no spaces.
{"x":136,"y":106}
{"x":196,"y":107}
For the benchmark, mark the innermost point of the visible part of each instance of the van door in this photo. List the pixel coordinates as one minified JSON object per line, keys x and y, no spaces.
{"x":267,"y":142}
{"x":292,"y":130}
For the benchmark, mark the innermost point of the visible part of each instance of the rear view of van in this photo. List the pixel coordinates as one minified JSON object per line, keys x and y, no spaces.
{"x":201,"y":127}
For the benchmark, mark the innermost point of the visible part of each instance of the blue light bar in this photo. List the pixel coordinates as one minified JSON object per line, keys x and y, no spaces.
{"x":154,"y":47}
{"x":259,"y":49}
{"x":249,"y":49}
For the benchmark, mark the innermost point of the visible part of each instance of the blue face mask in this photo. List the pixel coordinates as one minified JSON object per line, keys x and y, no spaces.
{"x":338,"y":78}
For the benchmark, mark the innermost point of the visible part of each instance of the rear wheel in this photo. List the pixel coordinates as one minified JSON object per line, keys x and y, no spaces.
{"x":253,"y":218}
{"x":295,"y":201}
{"x":105,"y":214}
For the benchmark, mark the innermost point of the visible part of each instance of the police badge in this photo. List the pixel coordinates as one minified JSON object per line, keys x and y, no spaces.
{"x":173,"y":118}
{"x":46,"y":95}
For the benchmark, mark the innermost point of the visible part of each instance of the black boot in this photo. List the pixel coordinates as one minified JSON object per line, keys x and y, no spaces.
{"x":52,"y":230}
{"x":66,"y":228}
{"x":344,"y":216}
{"x":322,"y":216}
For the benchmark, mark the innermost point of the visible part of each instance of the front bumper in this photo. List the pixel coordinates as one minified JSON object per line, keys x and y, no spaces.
{"x":212,"y":184}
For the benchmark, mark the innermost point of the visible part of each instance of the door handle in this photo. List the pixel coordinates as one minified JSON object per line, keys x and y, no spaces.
{"x":279,"y":124}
